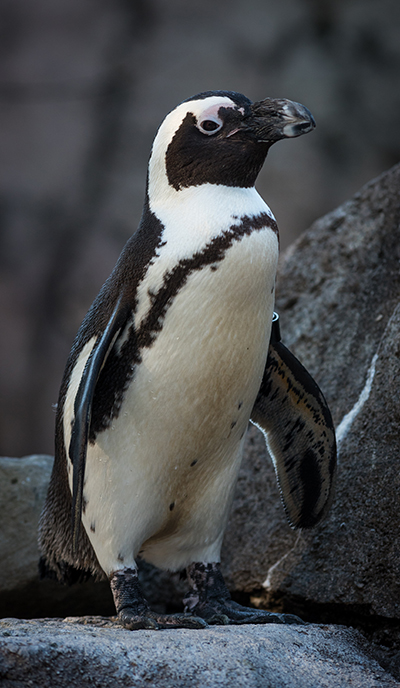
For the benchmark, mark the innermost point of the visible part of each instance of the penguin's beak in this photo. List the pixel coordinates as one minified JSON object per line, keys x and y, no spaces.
{"x":275,"y":119}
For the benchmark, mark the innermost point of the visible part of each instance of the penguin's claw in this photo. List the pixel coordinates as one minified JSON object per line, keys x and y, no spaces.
{"x":154,"y":622}
{"x":219,"y":620}
{"x":209,"y":598}
{"x":180,"y":621}
{"x":134,"y":622}
{"x":224,"y":612}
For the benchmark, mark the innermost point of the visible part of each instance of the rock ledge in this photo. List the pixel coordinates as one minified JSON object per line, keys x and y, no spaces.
{"x":93,"y":652}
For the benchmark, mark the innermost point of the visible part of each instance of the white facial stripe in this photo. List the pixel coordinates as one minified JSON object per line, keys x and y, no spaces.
{"x":210,"y":113}
{"x":159,"y":188}
{"x":174,"y":119}
{"x":213,"y":110}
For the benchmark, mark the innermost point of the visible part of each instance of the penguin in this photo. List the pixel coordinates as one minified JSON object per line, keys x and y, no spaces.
{"x":178,"y":352}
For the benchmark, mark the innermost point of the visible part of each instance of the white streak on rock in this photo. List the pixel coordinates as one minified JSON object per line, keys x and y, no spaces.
{"x":347,"y":420}
{"x":268,"y":581}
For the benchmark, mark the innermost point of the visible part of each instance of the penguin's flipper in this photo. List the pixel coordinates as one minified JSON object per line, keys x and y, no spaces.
{"x":291,"y":411}
{"x":83,"y":412}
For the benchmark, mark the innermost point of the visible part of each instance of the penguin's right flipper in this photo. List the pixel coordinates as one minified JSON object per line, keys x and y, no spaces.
{"x":83,"y":412}
{"x":291,"y":411}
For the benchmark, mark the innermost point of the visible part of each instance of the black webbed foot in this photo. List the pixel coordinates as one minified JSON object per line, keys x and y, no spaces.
{"x":209,"y":598}
{"x":130,"y":619}
{"x":134,"y":612}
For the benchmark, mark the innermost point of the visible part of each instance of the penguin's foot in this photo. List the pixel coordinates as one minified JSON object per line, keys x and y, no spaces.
{"x":209,"y":599}
{"x":132,"y":620}
{"x":134,"y":612}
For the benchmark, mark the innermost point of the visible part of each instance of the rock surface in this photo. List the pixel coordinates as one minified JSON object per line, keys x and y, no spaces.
{"x":338,"y":296}
{"x":57,"y":654}
{"x":23,"y":487}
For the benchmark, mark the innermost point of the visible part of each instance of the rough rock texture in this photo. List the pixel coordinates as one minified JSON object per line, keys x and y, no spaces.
{"x":23,"y":487}
{"x":338,"y":296}
{"x":57,"y":654}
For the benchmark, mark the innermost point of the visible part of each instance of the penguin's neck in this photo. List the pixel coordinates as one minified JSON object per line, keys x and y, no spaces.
{"x":191,"y":219}
{"x":193,"y":216}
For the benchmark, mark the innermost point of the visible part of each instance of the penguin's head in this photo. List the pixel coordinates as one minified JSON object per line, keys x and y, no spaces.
{"x":221,"y":137}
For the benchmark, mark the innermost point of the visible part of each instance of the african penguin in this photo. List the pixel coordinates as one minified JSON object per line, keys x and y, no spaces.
{"x":173,"y":359}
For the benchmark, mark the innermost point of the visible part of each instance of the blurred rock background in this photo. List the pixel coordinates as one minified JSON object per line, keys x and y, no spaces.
{"x":84,"y":85}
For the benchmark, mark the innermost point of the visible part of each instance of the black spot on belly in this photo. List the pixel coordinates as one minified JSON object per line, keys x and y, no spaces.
{"x":93,"y":527}
{"x":194,"y":462}
{"x":233,"y":424}
{"x":171,"y":506}
{"x":214,"y":268}
{"x":240,"y":404}
{"x":84,"y":503}
{"x":120,"y":558}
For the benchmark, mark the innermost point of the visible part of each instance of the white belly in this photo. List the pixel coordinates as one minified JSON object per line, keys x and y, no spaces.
{"x":160,"y":480}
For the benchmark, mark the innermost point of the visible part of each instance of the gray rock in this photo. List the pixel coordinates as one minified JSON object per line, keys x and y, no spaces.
{"x":56,"y":654}
{"x":23,"y":487}
{"x":338,"y":297}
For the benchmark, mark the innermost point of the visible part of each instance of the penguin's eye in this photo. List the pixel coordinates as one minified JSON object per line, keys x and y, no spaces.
{"x":210,"y":125}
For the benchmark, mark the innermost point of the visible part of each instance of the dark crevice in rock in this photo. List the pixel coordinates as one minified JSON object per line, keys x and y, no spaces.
{"x":39,"y":599}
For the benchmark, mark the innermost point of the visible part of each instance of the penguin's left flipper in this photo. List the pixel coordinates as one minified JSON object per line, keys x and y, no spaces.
{"x":83,"y":411}
{"x":291,"y":411}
